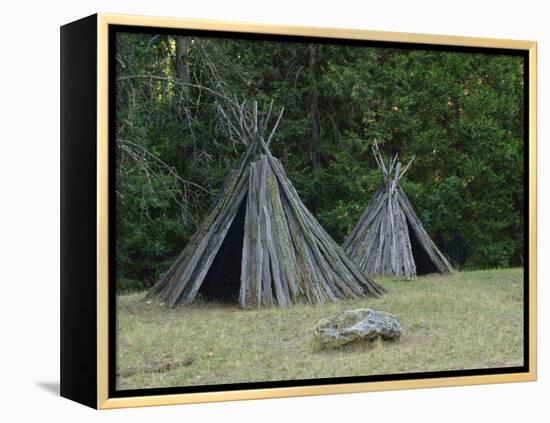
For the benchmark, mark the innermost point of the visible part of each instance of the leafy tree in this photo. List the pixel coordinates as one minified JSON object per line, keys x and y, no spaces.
{"x":460,"y":114}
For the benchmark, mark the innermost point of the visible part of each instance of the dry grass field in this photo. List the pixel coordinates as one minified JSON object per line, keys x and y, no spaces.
{"x":464,"y":321}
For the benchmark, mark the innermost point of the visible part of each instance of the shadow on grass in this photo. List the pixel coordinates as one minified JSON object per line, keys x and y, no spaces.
{"x":357,"y":346}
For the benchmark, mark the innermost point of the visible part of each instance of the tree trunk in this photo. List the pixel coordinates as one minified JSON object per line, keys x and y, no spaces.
{"x":182,"y":73}
{"x":315,"y":142}
{"x":182,"y":66}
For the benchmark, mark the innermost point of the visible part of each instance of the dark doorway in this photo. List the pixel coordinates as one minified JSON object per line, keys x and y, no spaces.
{"x":223,"y":280}
{"x":424,"y":264}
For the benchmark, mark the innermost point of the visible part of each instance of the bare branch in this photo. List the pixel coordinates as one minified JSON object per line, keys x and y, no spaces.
{"x":379,"y":159}
{"x":265,"y":119}
{"x":255,"y":117}
{"x":170,"y":169}
{"x":178,"y":82}
{"x":275,"y":126}
{"x":407,"y":167}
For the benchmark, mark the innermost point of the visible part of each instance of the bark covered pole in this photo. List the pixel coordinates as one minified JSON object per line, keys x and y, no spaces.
{"x":315,"y":144}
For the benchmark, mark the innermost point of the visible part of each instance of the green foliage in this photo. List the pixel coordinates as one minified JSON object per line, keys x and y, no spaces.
{"x":461,"y":114}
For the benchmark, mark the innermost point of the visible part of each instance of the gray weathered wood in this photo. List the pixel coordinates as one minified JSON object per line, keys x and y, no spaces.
{"x":287,"y":257}
{"x":380,"y":242}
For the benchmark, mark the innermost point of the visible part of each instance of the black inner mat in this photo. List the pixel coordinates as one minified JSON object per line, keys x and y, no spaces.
{"x":424,"y":264}
{"x":223,"y":280}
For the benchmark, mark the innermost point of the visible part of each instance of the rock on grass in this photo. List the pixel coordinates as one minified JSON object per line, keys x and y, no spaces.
{"x":362,"y":324}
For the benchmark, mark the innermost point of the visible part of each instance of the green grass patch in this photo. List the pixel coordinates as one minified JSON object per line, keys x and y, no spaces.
{"x":468,"y":320}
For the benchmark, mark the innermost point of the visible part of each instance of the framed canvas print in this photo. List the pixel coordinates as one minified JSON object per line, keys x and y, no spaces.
{"x":256,"y":211}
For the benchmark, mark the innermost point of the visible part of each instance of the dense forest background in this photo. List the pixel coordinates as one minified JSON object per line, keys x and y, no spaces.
{"x":461,"y":114}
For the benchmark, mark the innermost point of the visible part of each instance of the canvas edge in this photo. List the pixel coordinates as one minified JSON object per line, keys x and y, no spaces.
{"x":78,"y":308}
{"x":103,"y":22}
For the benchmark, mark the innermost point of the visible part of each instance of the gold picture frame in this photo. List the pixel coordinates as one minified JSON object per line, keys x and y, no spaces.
{"x":102,"y":398}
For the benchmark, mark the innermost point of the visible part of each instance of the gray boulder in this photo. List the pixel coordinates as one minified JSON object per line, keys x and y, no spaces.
{"x":362,"y":324}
